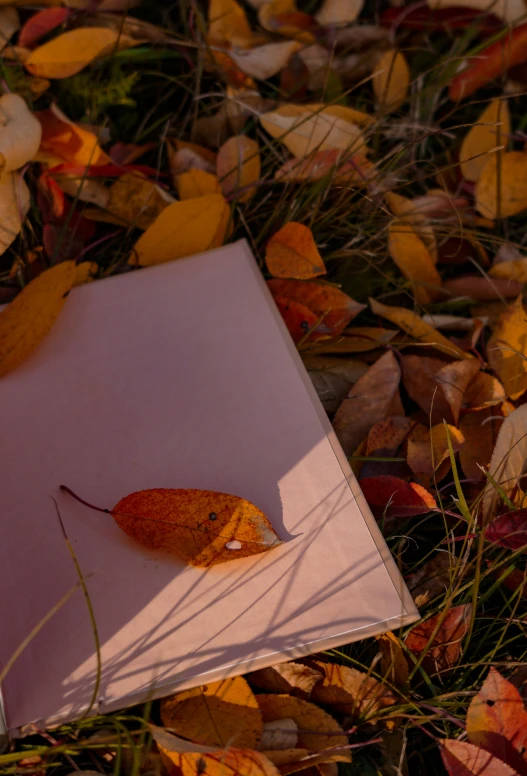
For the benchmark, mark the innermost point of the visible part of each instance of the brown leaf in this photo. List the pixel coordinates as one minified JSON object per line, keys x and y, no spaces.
{"x":333,"y":382}
{"x":483,"y":391}
{"x":339,"y":12}
{"x":428,"y":448}
{"x":238,"y":167}
{"x":292,"y":253}
{"x":479,"y":436}
{"x":432,"y":579}
{"x":413,"y":259}
{"x":445,"y":648}
{"x":357,"y":340}
{"x":507,"y":464}
{"x":393,"y":664}
{"x":137,"y":201}
{"x":420,"y":380}
{"x":265,"y":61}
{"x":369,"y":400}
{"x":507,"y":349}
{"x":286,"y":678}
{"x":228,"y":23}
{"x":481,"y":289}
{"x":223,"y":713}
{"x":350,"y":692}
{"x":387,"y":435}
{"x":282,"y":734}
{"x":454,"y":380}
{"x":463,"y":759}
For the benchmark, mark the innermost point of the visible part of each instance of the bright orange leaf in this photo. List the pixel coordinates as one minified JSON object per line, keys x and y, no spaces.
{"x":292,"y":253}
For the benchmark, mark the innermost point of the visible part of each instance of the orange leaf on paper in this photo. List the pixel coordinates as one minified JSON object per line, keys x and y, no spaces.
{"x":428,"y":448}
{"x":223,"y":713}
{"x":497,"y":721}
{"x":502,"y":187}
{"x":374,"y":396}
{"x":491,"y":129}
{"x":203,"y":527}
{"x":287,"y":678}
{"x":463,"y":759}
{"x":445,"y":648}
{"x":415,"y":262}
{"x":238,"y":167}
{"x":391,"y":80}
{"x":350,"y":691}
{"x":72,"y":51}
{"x":25,"y":322}
{"x":63,"y":140}
{"x":507,"y":349}
{"x":413,"y":325}
{"x":196,"y":183}
{"x":292,"y":253}
{"x":182,"y":229}
{"x":137,"y":201}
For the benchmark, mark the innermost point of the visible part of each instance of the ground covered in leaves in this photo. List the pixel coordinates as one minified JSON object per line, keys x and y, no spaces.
{"x":375,"y":160}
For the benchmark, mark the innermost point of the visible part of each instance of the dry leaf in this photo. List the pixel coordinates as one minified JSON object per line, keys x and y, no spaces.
{"x":304,"y":131}
{"x":479,"y":435}
{"x":338,"y":11}
{"x":428,"y":448}
{"x":371,"y":398}
{"x":287,"y":678}
{"x":413,"y":259}
{"x":508,"y":10}
{"x":72,"y":51}
{"x":265,"y":61}
{"x":182,"y":229}
{"x":393,"y":663}
{"x":502,"y":187}
{"x":410,"y":212}
{"x":203,"y":527}
{"x":193,"y":759}
{"x":463,"y":759}
{"x":390,"y":497}
{"x":184,"y":157}
{"x":197,"y":183}
{"x":238,"y":167}
{"x":354,"y":171}
{"x":63,"y":140}
{"x":491,"y":129}
{"x":387,"y":435}
{"x":223,"y":713}
{"x":391,"y":80}
{"x":445,"y":647}
{"x":137,"y":201}
{"x":30,"y":316}
{"x":507,"y":349}
{"x":509,"y":530}
{"x":228,"y":23}
{"x":281,"y":757}
{"x":14,"y":207}
{"x":416,"y":328}
{"x":358,"y":340}
{"x":40,"y":24}
{"x":454,"y":322}
{"x":432,"y":579}
{"x":454,"y":380}
{"x":483,"y":391}
{"x":481,"y":288}
{"x":280,"y":734}
{"x":350,"y":692}
{"x":20,"y":133}
{"x":421,"y":383}
{"x":332,"y":383}
{"x":9,"y":24}
{"x":515,"y":269}
{"x":508,"y":459}
{"x":292,"y":253}
{"x":85,"y":272}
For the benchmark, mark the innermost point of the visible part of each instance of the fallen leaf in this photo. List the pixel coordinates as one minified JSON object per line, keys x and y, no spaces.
{"x":416,"y":328}
{"x":184,"y":157}
{"x":201,"y":526}
{"x":508,"y":459}
{"x":349,"y":691}
{"x":501,"y":190}
{"x":63,"y":140}
{"x":72,"y":51}
{"x":497,"y":721}
{"x":373,"y":397}
{"x":491,"y":129}
{"x":507,"y":349}
{"x":355,"y":170}
{"x":281,"y":757}
{"x":279,"y":735}
{"x":413,"y":259}
{"x":432,"y":579}
{"x":387,"y":435}
{"x":391,"y":80}
{"x":197,"y":183}
{"x":193,"y":759}
{"x":483,"y":391}
{"x":287,"y":678}
{"x":292,"y":253}
{"x":358,"y":340}
{"x":85,"y":272}
{"x":428,"y":448}
{"x":20,"y":133}
{"x":40,"y":24}
{"x":284,"y":18}
{"x":463,"y":759}
{"x":509,"y":530}
{"x":338,"y":11}
{"x":137,"y":201}
{"x":317,"y":730}
{"x":410,"y":212}
{"x":515,"y":269}
{"x":25,"y":322}
{"x":324,"y":307}
{"x":265,"y":61}
{"x":454,"y":380}
{"x":182,"y":229}
{"x":393,"y":663}
{"x":392,"y":497}
{"x":481,"y":288}
{"x":223,"y":713}
{"x":453,"y":322}
{"x":14,"y":206}
{"x":227,"y":23}
{"x":9,"y":24}
{"x":508,"y":10}
{"x":333,"y":383}
{"x":445,"y":646}
{"x":238,"y":167}
{"x":479,"y":437}
{"x":490,"y":62}
{"x":420,"y":378}
{"x":304,"y":131}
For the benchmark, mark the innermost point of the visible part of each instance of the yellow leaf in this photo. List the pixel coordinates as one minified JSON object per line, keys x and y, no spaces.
{"x":415,"y":262}
{"x":30,"y":316}
{"x":350,"y":691}
{"x":223,"y":713}
{"x":284,"y":18}
{"x":413,"y":325}
{"x":514,"y":269}
{"x":196,"y":183}
{"x":507,"y":349}
{"x":307,"y":131}
{"x":238,"y":167}
{"x":182,"y":229}
{"x":509,"y":196}
{"x":228,"y":24}
{"x":85,"y":272}
{"x":393,"y":663}
{"x":71,"y":52}
{"x":137,"y":201}
{"x":491,"y":129}
{"x":428,"y":448}
{"x":391,"y":80}
{"x":408,"y":211}
{"x":292,"y":253}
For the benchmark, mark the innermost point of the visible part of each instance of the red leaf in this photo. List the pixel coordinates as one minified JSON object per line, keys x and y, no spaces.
{"x":394,"y":497}
{"x":38,"y":25}
{"x":491,"y":62}
{"x":300,"y":320}
{"x":445,"y":649}
{"x":509,"y":530}
{"x":462,"y":759}
{"x":50,"y":198}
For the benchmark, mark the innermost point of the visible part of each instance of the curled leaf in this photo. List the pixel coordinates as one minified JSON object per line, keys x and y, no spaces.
{"x":14,"y":207}
{"x":292,"y":253}
{"x":507,"y":464}
{"x":63,"y":140}
{"x":393,"y":664}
